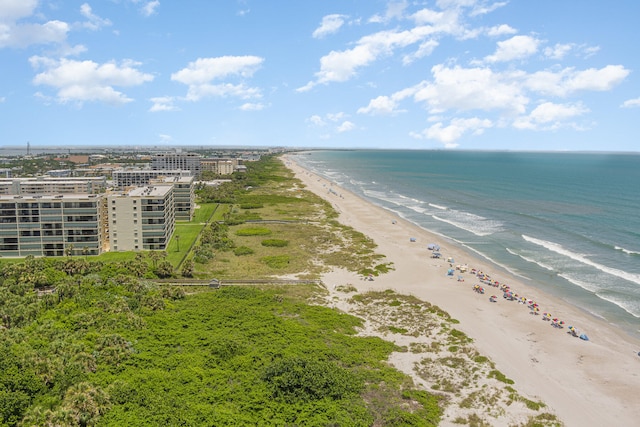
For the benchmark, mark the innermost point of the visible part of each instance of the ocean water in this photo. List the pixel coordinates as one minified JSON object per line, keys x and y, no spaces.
{"x":566,"y":223}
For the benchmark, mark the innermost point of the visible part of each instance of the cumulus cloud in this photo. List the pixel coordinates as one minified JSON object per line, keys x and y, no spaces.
{"x":330,"y":24}
{"x":163,"y":103}
{"x":150,"y":7}
{"x":94,"y":22}
{"x":501,"y":30}
{"x":550,"y":116}
{"x":631,"y":103}
{"x":464,"y":89}
{"x":12,"y":10}
{"x":147,"y":7}
{"x":340,"y":66}
{"x":558,"y":51}
{"x":448,"y":135}
{"x":395,"y":10}
{"x":17,"y":34}
{"x":80,"y":81}
{"x":336,"y":121}
{"x":200,"y":75}
{"x":252,"y":106}
{"x":569,"y":80}
{"x":346,"y":126}
{"x":517,"y":47}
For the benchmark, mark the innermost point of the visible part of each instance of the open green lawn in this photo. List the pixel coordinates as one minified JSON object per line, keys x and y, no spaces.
{"x":184,"y":236}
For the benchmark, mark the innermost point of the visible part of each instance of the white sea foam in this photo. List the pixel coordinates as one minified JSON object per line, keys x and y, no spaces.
{"x":531,"y":260}
{"x":475,"y":224}
{"x":582,"y":258}
{"x":442,"y":208}
{"x":628,"y":306}
{"x":627,"y":251}
{"x":504,"y":267}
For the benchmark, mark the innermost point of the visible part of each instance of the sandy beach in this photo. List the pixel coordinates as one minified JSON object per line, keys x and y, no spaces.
{"x":584,"y":383}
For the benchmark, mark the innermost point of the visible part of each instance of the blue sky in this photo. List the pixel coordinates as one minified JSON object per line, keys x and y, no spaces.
{"x":457,"y":74}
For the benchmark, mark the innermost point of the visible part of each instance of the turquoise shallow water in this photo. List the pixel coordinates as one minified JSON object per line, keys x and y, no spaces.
{"x":567,"y":223}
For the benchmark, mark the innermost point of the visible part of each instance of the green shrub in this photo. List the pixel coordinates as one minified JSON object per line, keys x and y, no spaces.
{"x":276,"y":243}
{"x":276,"y":261}
{"x":243,"y":250}
{"x":251,"y":205}
{"x":299,"y":378}
{"x":253,"y":231}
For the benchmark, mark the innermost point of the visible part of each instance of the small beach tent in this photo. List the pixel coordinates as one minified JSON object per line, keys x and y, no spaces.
{"x":584,"y":337}
{"x":436,"y":255}
{"x":450,"y":272}
{"x":433,"y":247}
{"x":412,"y":239}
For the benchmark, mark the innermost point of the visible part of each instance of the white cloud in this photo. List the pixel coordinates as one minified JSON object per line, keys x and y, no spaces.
{"x":200,"y":74}
{"x":340,"y":66}
{"x":501,"y":30}
{"x":80,"y":81}
{"x":382,"y":105}
{"x":568,"y":80}
{"x":631,"y":103}
{"x":395,"y":10}
{"x":16,"y":34}
{"x":23,"y":35}
{"x":204,"y":70}
{"x":251,"y":106}
{"x":558,"y":51}
{"x":316,"y":120}
{"x":12,"y":10}
{"x":482,"y":8}
{"x":517,"y":47}
{"x":448,"y":135}
{"x":550,"y":116}
{"x":465,"y":89}
{"x":425,"y":49}
{"x":94,"y":22}
{"x":149,"y":8}
{"x":346,"y":126}
{"x":163,"y":103}
{"x":2,"y":99}
{"x":165,"y":138}
{"x":330,"y":24}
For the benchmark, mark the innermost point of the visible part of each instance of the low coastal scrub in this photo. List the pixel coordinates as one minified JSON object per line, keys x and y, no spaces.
{"x":253,"y":231}
{"x":111,"y":349}
{"x":275,"y":243}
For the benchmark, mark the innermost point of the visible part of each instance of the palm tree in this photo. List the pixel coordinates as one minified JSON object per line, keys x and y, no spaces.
{"x":68,"y":250}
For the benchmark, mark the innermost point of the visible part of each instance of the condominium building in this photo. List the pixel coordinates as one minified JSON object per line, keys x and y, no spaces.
{"x":51,"y":225}
{"x":141,"y":219}
{"x":129,"y":177}
{"x":52,"y":185}
{"x":173,"y":161}
{"x":183,"y":195}
{"x":219,"y":166}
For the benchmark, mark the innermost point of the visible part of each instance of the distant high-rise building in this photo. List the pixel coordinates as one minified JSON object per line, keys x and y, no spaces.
{"x":173,"y":161}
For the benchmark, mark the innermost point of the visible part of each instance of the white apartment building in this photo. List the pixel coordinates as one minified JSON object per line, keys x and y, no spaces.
{"x":183,"y":195}
{"x":129,"y":177}
{"x":51,"y":225}
{"x":173,"y":161}
{"x":141,"y":219}
{"x":219,"y":166}
{"x":52,"y":185}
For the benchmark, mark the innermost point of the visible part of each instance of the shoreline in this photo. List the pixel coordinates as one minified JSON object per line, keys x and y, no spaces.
{"x":583,"y":382}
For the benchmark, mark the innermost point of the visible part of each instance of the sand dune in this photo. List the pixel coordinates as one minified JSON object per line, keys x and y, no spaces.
{"x":584,"y":383}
